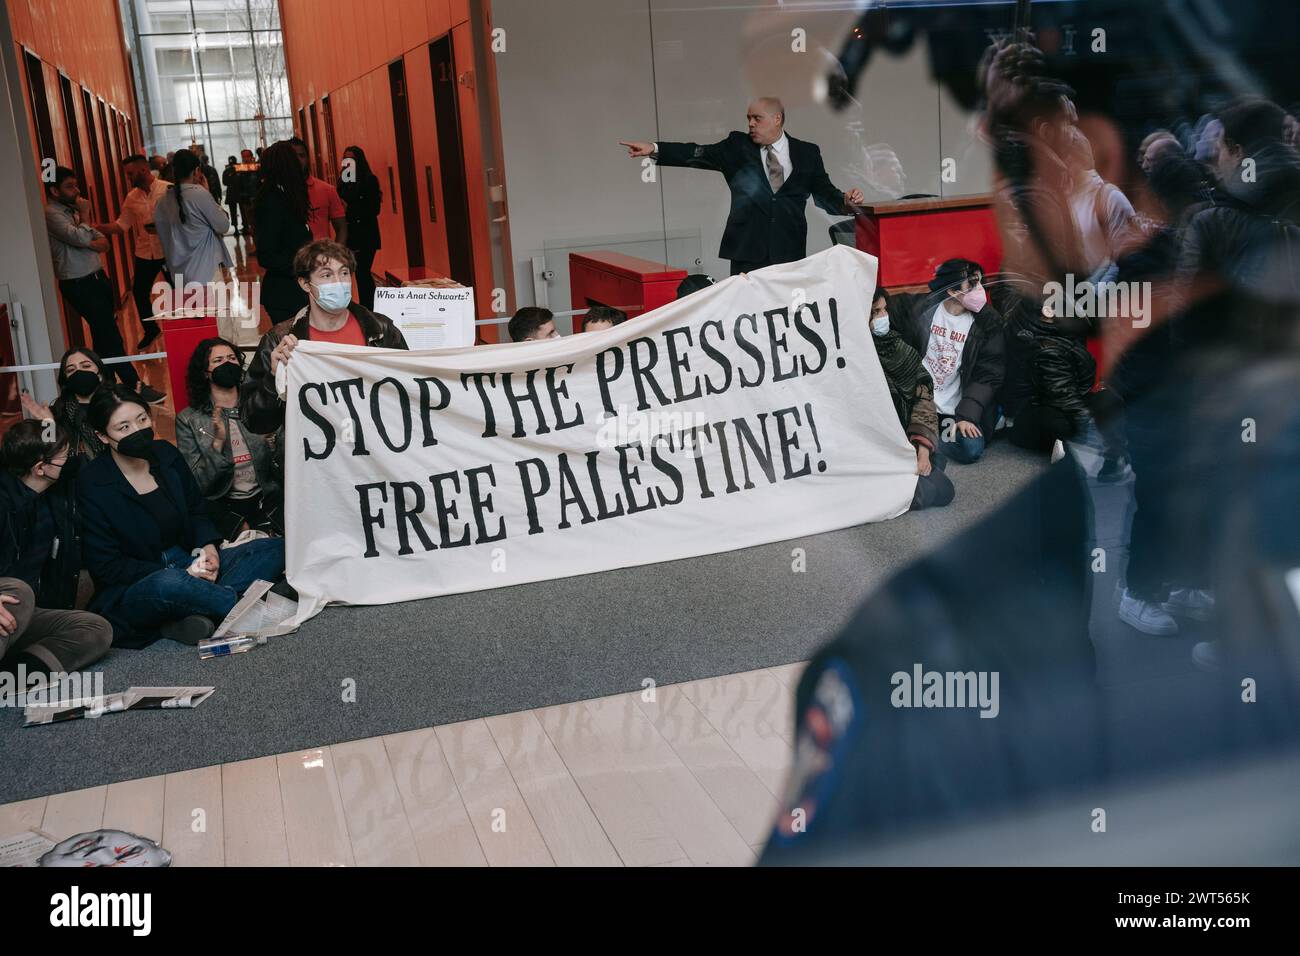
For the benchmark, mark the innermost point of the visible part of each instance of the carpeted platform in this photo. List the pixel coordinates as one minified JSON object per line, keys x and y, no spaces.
{"x":453,"y":658}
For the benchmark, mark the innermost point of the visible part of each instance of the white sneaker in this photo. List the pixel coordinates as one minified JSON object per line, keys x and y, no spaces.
{"x":1145,"y":616}
{"x":1058,"y":451}
{"x":1206,"y":657}
{"x":1194,"y":603}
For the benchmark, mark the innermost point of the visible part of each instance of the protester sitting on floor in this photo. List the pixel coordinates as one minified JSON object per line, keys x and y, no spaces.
{"x":40,"y":558}
{"x":694,"y":283}
{"x":531,"y":323}
{"x":324,"y":270}
{"x":1060,"y":373}
{"x":602,"y":317}
{"x":913,"y":395}
{"x":233,"y":466}
{"x":144,"y":522}
{"x":960,"y":338}
{"x":81,"y":371}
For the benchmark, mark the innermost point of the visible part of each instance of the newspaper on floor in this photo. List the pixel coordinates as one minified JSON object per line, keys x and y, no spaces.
{"x":133,"y":698}
{"x":254,"y":617}
{"x":24,"y":849}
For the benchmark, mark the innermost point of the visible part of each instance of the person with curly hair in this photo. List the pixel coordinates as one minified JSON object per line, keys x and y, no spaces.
{"x":233,"y":466}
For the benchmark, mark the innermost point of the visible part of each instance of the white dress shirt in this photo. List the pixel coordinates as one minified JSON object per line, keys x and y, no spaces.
{"x":782,"y":149}
{"x":137,"y":212}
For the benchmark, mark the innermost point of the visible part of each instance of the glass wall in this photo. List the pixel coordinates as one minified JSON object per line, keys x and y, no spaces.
{"x":206,"y":70}
{"x":685,"y":71}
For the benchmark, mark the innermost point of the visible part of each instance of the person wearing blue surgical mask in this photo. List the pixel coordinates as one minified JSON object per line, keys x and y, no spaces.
{"x":324,"y":271}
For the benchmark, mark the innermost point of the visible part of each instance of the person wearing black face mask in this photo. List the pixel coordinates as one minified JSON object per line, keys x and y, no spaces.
{"x":149,"y":544}
{"x":81,"y":371}
{"x":40,"y":558}
{"x":233,"y":466}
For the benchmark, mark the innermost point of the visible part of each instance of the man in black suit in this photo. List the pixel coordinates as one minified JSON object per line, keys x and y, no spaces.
{"x":771,"y":175}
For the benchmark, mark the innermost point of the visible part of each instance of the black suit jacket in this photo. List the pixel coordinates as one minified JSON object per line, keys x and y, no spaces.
{"x":121,"y":541}
{"x":762,"y":226}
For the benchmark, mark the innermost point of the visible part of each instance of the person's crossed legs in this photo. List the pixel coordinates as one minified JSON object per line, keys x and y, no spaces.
{"x":173,"y":593}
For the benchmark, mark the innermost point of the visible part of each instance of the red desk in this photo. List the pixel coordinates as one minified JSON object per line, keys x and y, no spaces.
{"x":623,"y":282}
{"x":912,"y":236}
{"x":180,"y":338}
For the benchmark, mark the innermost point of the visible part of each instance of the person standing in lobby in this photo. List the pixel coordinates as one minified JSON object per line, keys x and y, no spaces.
{"x":326,"y":206}
{"x":191,"y":226}
{"x":770,"y":175}
{"x":230,"y":180}
{"x":362,"y":196}
{"x":137,"y":219}
{"x":247,"y":180}
{"x":75,"y":248}
{"x":280,"y":217}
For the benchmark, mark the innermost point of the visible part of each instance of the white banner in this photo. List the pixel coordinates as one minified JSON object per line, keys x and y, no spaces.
{"x":750,"y":412}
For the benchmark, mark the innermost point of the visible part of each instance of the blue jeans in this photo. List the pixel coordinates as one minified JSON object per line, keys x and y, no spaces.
{"x":964,"y":450}
{"x":174,"y":593}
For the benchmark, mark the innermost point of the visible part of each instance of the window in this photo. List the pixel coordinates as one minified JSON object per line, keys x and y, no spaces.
{"x":217,"y":63}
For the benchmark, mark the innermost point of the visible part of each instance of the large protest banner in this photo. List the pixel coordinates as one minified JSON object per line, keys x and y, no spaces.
{"x":750,"y":412}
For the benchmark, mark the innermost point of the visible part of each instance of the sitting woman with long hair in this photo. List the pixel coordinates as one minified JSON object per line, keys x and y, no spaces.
{"x":81,"y":372}
{"x":147,"y":540}
{"x":233,"y":466}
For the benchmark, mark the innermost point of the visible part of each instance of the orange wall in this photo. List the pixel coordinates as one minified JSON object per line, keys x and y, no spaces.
{"x":326,"y":51}
{"x":82,"y":39}
{"x":345,"y":54}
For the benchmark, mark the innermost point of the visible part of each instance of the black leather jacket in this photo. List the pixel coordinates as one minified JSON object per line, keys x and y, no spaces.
{"x":260,"y":407}
{"x":1060,"y":369}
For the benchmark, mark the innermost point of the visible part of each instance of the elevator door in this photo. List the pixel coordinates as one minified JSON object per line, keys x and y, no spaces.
{"x":451,"y":156}
{"x":406,"y":166}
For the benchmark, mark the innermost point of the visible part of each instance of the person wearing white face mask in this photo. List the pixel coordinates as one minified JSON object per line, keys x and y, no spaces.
{"x":324,"y":270}
{"x":960,"y":339}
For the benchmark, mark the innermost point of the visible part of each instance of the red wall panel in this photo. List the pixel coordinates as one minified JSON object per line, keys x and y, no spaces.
{"x":345,"y":53}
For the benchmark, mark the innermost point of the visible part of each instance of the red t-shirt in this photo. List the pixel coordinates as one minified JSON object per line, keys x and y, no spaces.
{"x":325,"y":206}
{"x":350,"y":334}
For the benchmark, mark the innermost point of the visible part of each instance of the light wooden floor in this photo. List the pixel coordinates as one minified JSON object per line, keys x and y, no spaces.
{"x":689,"y":779}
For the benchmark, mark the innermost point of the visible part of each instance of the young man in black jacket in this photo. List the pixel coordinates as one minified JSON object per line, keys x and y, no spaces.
{"x":959,"y":337}
{"x":40,"y":558}
{"x":324,"y":271}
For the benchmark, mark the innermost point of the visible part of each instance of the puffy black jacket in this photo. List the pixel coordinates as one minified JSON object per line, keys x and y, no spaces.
{"x":1059,"y":368}
{"x":1250,"y":236}
{"x":983,"y":359}
{"x":260,"y":407}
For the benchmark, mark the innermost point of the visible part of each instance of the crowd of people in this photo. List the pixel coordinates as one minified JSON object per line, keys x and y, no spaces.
{"x":173,"y":213}
{"x":172,"y":534}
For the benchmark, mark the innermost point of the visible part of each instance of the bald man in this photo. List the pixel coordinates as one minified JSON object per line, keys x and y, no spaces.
{"x":771,"y":175}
